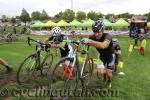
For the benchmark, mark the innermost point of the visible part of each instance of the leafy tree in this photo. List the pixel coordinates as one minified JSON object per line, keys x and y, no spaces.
{"x":125,"y":15}
{"x":68,"y":15}
{"x":147,"y":15}
{"x":81,"y":15}
{"x":44,"y":15}
{"x":13,"y":20}
{"x":4,"y":18}
{"x":100,"y":15}
{"x":59,"y":15}
{"x":24,"y":17}
{"x":92,"y":15}
{"x":108,"y":16}
{"x":35,"y":15}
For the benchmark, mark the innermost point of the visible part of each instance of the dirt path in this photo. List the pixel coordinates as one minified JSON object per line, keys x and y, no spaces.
{"x":7,"y":78}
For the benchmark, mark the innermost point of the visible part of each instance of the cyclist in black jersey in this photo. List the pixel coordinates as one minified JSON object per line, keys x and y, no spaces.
{"x":57,"y":41}
{"x":103,"y":43}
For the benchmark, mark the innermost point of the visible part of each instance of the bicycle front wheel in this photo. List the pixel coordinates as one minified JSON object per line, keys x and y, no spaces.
{"x":27,"y":69}
{"x":59,"y":76}
{"x":87,"y":71}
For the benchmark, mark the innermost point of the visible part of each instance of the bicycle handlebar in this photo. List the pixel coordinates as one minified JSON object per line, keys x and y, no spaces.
{"x":46,"y":45}
{"x":30,"y":39}
{"x":74,"y":41}
{"x":84,"y":47}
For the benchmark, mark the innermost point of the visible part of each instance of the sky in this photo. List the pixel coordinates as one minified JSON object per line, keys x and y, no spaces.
{"x":52,"y":7}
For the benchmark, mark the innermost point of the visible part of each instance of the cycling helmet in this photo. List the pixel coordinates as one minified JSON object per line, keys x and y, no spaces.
{"x":97,"y":26}
{"x":55,"y":31}
{"x":114,"y":40}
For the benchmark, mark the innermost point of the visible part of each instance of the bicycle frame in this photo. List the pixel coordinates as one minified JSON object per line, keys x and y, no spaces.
{"x":39,"y":48}
{"x":75,"y":63}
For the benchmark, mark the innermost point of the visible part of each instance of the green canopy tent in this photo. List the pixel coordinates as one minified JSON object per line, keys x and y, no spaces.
{"x":88,"y":23}
{"x":75,"y":23}
{"x":62,"y":23}
{"x":38,"y":24}
{"x":148,"y":24}
{"x":50,"y":23}
{"x":121,"y":23}
{"x":107,"y":22}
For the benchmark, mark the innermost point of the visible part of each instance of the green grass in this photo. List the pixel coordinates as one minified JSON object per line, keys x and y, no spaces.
{"x":134,"y":85}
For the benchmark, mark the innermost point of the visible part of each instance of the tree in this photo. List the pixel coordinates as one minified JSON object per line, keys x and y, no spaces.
{"x":35,"y":15}
{"x":100,"y":15}
{"x":59,"y":15}
{"x":13,"y":20}
{"x":4,"y":18}
{"x":92,"y":15}
{"x":81,"y":15}
{"x":147,"y":15}
{"x":24,"y":17}
{"x":68,"y":15}
{"x":108,"y":16}
{"x":125,"y":15}
{"x":44,"y":15}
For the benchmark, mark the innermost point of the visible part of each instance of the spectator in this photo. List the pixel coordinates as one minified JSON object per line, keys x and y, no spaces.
{"x":143,"y":44}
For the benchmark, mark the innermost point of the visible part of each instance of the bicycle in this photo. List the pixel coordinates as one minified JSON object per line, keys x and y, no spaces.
{"x":67,"y":74}
{"x":9,"y":37}
{"x":35,"y":62}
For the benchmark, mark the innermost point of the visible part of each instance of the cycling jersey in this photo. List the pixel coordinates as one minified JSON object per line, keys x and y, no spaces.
{"x":58,"y":40}
{"x":106,"y":54}
{"x":107,"y":51}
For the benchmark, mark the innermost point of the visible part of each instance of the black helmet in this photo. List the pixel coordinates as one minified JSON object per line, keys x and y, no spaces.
{"x":97,"y":26}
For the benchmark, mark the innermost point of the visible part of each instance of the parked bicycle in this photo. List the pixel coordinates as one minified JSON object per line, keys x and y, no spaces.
{"x":35,"y":63}
{"x":68,"y":73}
{"x":9,"y":37}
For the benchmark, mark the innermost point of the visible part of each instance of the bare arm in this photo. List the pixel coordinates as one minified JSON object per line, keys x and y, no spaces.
{"x":46,"y":40}
{"x":118,"y":52}
{"x":79,"y":35}
{"x":101,"y":45}
{"x":62,"y":45}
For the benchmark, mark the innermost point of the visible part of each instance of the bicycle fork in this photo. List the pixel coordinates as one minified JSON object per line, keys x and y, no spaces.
{"x":70,"y":72}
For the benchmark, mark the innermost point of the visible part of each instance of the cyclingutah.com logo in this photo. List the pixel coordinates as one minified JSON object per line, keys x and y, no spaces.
{"x":44,"y":92}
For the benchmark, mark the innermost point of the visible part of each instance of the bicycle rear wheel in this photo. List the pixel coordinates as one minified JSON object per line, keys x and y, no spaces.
{"x":27,"y":69}
{"x":58,"y":77}
{"x":46,"y":64}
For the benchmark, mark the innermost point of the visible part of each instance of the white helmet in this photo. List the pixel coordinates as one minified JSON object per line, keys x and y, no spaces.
{"x":55,"y":31}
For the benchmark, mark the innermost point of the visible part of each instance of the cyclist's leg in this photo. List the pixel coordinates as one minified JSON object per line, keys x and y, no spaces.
{"x":101,"y":68}
{"x":64,"y":54}
{"x":110,"y":67}
{"x":5,"y":64}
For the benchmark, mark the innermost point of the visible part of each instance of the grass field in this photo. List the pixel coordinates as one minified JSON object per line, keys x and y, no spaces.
{"x":134,"y":85}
